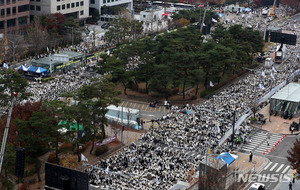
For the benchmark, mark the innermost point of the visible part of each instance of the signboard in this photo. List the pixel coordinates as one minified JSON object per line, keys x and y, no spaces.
{"x":107,"y":140}
{"x":283,"y":38}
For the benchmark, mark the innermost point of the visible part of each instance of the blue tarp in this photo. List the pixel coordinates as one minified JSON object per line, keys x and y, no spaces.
{"x":226,"y":157}
{"x":37,"y":70}
{"x":247,"y":9}
{"x":220,"y":15}
{"x":23,"y":68}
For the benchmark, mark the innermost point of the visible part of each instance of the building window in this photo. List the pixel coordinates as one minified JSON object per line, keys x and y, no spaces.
{"x":22,"y":20}
{"x":11,"y":23}
{"x":2,"y":25}
{"x":58,"y":8}
{"x":14,"y":10}
{"x":104,"y":1}
{"x":81,"y":3}
{"x":77,"y":4}
{"x":73,"y":5}
{"x":23,"y":8}
{"x":81,"y":12}
{"x":92,"y":1}
{"x":7,"y":2}
{"x":108,"y":1}
{"x":38,"y":8}
{"x":2,"y":12}
{"x":2,"y":2}
{"x":63,"y":7}
{"x":8,"y":11}
{"x":68,"y":6}
{"x":38,"y":0}
{"x":14,"y":1}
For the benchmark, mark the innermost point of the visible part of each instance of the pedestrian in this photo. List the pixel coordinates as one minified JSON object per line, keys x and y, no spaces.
{"x":250,"y":156}
{"x":290,"y":185}
{"x":294,"y":177}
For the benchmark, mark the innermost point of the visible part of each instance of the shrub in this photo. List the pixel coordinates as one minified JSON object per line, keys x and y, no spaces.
{"x":206,"y":92}
{"x":65,"y":148}
{"x":24,"y":186}
{"x":100,"y":150}
{"x":52,"y":157}
{"x":30,"y":172}
{"x":252,"y":119}
{"x":70,"y":162}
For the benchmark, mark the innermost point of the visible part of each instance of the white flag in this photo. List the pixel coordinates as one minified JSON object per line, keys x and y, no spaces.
{"x":214,"y":20}
{"x":108,"y":52}
{"x":272,"y":76}
{"x":5,"y":65}
{"x":47,"y":49}
{"x":261,"y":86}
{"x":168,"y":31}
{"x":211,"y":84}
{"x":274,"y":70}
{"x":218,"y":128}
{"x":83,"y":158}
{"x":263,"y":74}
{"x":157,"y":182}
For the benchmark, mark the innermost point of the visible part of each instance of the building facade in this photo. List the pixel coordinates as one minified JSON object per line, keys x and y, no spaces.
{"x":78,"y":9}
{"x":14,"y":15}
{"x":97,"y":4}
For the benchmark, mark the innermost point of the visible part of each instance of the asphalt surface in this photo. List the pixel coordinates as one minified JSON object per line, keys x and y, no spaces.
{"x":295,"y":17}
{"x":278,"y":165}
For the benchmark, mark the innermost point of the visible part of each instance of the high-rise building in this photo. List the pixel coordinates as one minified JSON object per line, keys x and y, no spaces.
{"x":14,"y":15}
{"x":98,"y":4}
{"x":78,"y":9}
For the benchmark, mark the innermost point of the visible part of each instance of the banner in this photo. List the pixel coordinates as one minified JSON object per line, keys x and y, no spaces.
{"x":107,"y":140}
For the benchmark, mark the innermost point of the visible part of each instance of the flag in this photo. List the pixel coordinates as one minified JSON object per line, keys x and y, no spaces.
{"x":214,"y":20}
{"x":272,"y":76}
{"x":108,"y":52}
{"x":263,"y":74}
{"x":261,"y":86}
{"x":218,"y":128}
{"x":157,"y":182}
{"x":168,"y":31}
{"x":83,"y":158}
{"x":5,"y":65}
{"x":211,"y":84}
{"x":47,"y":49}
{"x":273,"y":68}
{"x":201,"y":5}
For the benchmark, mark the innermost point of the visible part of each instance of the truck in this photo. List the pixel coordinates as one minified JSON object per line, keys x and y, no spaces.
{"x":265,"y":12}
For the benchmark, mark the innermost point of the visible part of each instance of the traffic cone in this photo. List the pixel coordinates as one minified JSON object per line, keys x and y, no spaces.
{"x":264,"y":153}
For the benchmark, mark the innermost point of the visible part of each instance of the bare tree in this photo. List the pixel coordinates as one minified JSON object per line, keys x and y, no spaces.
{"x":36,"y":36}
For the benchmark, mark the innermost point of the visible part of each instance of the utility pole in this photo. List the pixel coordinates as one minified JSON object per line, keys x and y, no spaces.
{"x":203,"y":19}
{"x":6,"y":130}
{"x":233,"y":123}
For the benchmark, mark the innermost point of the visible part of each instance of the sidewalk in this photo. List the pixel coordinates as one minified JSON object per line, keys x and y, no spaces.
{"x":277,"y":123}
{"x":285,"y":185}
{"x":243,"y":164}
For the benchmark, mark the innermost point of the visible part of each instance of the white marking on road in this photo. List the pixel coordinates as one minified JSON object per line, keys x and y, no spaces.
{"x":268,"y":165}
{"x":274,"y":167}
{"x":285,"y":170}
{"x":279,"y":168}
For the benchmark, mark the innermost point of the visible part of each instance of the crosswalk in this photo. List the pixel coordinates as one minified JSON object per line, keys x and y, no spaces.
{"x":277,"y":167}
{"x":262,"y":142}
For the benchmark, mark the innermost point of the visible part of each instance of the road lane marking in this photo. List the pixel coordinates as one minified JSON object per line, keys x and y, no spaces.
{"x":138,"y":106}
{"x":159,"y":108}
{"x":126,"y":104}
{"x":279,"y":168}
{"x":274,"y":167}
{"x":134,"y":106}
{"x":286,"y":169}
{"x":142,"y":107}
{"x":130,"y":105}
{"x":268,"y":165}
{"x":122,"y":103}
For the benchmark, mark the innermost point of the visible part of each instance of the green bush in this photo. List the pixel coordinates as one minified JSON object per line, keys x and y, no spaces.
{"x":252,"y":119}
{"x":206,"y":92}
{"x":101,"y":150}
{"x":30,"y":172}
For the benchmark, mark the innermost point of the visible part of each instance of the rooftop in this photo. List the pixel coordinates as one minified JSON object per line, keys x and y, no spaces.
{"x":289,"y":93}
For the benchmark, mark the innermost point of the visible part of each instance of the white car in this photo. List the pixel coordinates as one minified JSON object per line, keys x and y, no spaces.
{"x":257,"y":186}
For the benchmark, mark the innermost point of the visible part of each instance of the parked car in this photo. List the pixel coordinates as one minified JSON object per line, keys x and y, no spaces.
{"x":105,"y":25}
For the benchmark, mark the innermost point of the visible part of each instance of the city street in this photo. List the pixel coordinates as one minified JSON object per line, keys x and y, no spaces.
{"x":278,"y":164}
